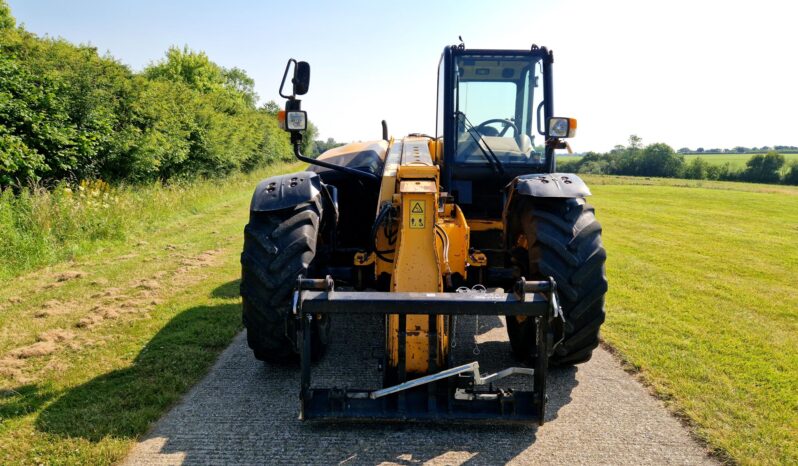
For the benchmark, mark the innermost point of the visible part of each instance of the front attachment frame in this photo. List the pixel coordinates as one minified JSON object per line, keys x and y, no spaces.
{"x":464,"y":394}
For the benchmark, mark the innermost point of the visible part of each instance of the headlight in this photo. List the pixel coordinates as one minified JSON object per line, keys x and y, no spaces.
{"x":562,"y":127}
{"x":296,"y":120}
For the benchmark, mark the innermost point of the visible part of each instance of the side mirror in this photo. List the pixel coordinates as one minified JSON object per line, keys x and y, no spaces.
{"x":561,"y":127}
{"x":300,"y":80}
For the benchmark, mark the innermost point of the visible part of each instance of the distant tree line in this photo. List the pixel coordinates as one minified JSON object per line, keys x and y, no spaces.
{"x":69,"y":113}
{"x":740,"y":150}
{"x":322,"y":146}
{"x":660,"y":160}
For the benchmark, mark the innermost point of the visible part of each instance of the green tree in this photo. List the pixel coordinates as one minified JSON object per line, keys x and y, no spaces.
{"x":239,"y":81}
{"x":67,"y":112}
{"x":697,"y":169}
{"x":233,"y":88}
{"x":271,"y":107}
{"x":321,"y":147}
{"x":193,"y":69}
{"x":659,"y":160}
{"x":309,"y":138}
{"x":635,"y":143}
{"x":791,"y":177}
{"x":764,"y":168}
{"x":6,"y":20}
{"x":594,"y":167}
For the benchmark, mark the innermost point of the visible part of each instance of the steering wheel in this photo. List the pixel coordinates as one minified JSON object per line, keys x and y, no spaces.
{"x":507,"y":124}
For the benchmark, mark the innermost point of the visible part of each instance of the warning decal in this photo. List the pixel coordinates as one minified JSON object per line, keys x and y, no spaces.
{"x":417,"y":214}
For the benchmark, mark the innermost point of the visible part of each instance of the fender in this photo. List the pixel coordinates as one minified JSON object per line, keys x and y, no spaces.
{"x":553,"y":185}
{"x":284,"y":191}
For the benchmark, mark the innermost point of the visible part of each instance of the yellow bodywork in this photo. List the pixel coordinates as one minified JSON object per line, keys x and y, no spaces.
{"x":429,"y":240}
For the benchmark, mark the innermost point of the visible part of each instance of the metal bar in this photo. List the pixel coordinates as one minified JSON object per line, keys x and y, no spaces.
{"x":436,"y":400}
{"x":304,"y":391}
{"x":517,"y":406}
{"x":402,"y":369}
{"x":533,"y":286}
{"x":502,"y":374}
{"x":541,"y":367}
{"x":470,"y":367}
{"x":432,"y":325}
{"x":374,"y":302}
{"x":321,"y":284}
{"x":331,"y":166}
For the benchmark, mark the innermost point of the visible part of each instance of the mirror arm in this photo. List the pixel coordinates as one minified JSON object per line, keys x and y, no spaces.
{"x":285,"y":75}
{"x":296,"y":140}
{"x":294,"y":104}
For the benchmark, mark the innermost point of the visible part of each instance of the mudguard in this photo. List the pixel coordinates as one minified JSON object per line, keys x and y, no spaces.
{"x":281,"y":192}
{"x":554,"y":185}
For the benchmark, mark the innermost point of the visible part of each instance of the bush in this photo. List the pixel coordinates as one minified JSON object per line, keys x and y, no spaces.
{"x":67,"y":113}
{"x":697,"y":169}
{"x":764,"y":168}
{"x":722,"y":172}
{"x":791,"y":177}
{"x":659,"y":160}
{"x":594,"y":167}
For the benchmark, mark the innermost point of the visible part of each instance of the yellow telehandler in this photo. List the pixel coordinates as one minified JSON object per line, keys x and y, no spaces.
{"x":473,"y":220}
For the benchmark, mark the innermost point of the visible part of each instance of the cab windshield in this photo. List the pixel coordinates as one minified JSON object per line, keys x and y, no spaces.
{"x":496,"y":106}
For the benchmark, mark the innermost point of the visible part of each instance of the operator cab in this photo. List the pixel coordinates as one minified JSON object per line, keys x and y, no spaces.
{"x":491,"y":114}
{"x":495,"y":98}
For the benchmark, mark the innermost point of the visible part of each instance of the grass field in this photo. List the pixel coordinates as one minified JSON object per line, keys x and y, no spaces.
{"x":736,"y":161}
{"x":702,"y":302}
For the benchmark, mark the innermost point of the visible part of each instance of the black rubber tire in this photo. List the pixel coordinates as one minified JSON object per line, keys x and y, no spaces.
{"x":563,"y":240}
{"x":278,"y":247}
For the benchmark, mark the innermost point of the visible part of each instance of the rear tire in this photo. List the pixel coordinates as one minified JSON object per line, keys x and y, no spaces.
{"x":278,"y":247}
{"x":561,"y":238}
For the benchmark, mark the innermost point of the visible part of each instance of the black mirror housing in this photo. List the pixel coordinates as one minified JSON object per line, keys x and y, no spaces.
{"x":301,"y":79}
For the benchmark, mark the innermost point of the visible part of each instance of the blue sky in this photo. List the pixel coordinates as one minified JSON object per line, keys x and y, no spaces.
{"x":689,"y":73}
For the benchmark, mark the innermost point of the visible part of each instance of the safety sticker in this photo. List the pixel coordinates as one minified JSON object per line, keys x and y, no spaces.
{"x":417,"y":214}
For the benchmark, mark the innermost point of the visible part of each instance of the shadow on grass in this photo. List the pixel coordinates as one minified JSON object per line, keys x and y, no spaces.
{"x":23,"y":400}
{"x":230,"y":290}
{"x":124,"y":402}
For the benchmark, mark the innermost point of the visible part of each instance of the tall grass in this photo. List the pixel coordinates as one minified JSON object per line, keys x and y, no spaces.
{"x":39,"y":227}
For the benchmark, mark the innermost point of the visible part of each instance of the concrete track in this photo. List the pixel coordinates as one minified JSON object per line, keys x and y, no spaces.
{"x":245,"y":412}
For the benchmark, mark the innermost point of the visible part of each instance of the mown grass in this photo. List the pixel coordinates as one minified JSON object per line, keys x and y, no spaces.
{"x":703,"y":301}
{"x":735,"y":161}
{"x":171,"y":289}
